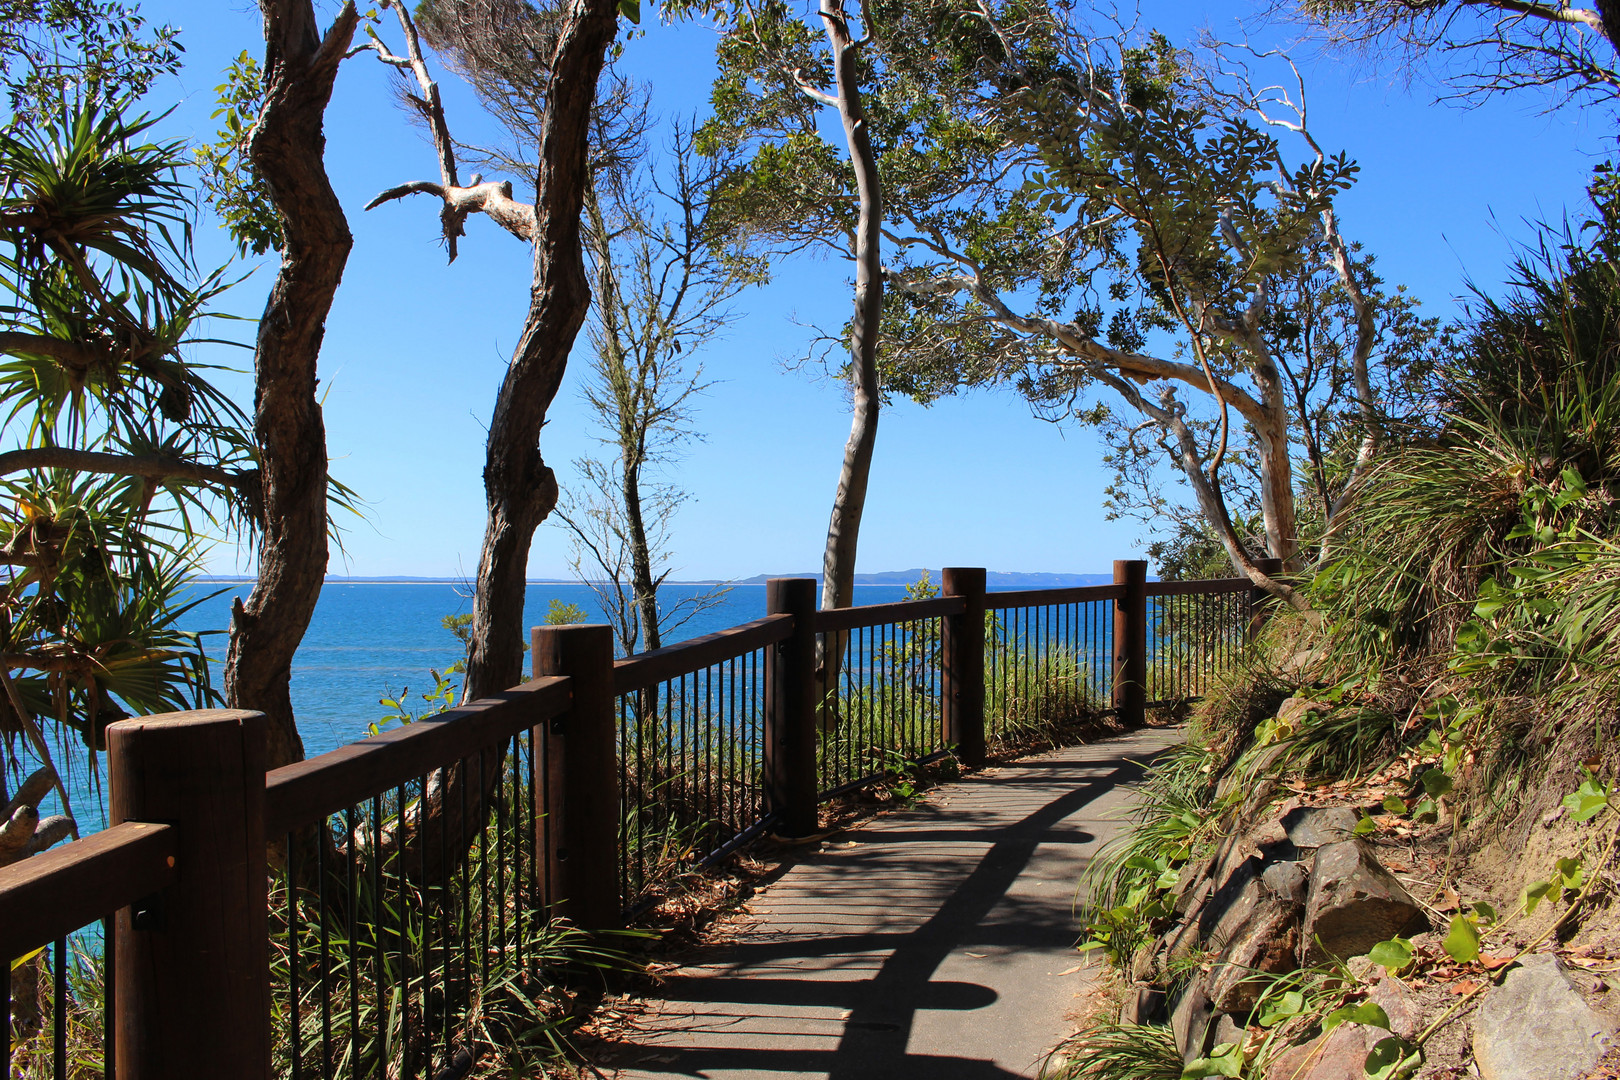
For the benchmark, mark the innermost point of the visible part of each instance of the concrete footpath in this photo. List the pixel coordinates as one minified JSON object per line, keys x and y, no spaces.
{"x":935,"y":942}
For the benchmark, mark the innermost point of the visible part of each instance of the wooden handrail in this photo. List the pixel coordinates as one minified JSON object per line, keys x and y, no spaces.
{"x":307,"y":791}
{"x":855,"y":618}
{"x":57,"y":892}
{"x":1207,"y":587}
{"x":648,"y":669}
{"x":1076,"y":594}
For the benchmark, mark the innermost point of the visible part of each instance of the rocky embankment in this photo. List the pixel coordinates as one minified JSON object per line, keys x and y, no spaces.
{"x":1298,"y":890}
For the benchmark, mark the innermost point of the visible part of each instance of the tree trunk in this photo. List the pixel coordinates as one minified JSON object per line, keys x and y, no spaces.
{"x":287,"y":148}
{"x":1276,"y":465}
{"x":630,"y":403}
{"x":641,"y":574}
{"x":844,"y":527}
{"x":519,"y":489}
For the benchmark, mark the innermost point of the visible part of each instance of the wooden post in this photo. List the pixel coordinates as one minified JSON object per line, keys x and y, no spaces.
{"x":1130,"y":642}
{"x":1260,"y":601}
{"x":790,"y":702}
{"x":192,"y":979}
{"x":962,"y":661}
{"x":582,"y":771}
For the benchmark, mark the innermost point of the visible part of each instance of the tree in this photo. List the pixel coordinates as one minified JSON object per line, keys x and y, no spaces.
{"x":1145,"y":221}
{"x":54,"y":51}
{"x":119,"y":439}
{"x":1485,"y":47}
{"x":664,"y":279}
{"x":285,"y":149}
{"x":794,"y":191}
{"x":557,"y":57}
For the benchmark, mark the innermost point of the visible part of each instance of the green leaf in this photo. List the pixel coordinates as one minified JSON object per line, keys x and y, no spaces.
{"x":1291,"y":1003}
{"x":1533,"y":894}
{"x":1391,"y":955}
{"x":1570,"y":873}
{"x":1462,"y":943}
{"x":1588,"y":800}
{"x":1486,"y":912}
{"x":1395,"y":805}
{"x":1365,"y":826}
{"x":1368,"y":1012}
{"x":1437,"y":783}
{"x":631,"y":9}
{"x":1392,"y":1059}
{"x":1426,"y":811}
{"x":1225,"y":1060}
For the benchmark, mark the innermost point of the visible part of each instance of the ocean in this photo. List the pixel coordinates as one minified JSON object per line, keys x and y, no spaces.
{"x":371,"y":640}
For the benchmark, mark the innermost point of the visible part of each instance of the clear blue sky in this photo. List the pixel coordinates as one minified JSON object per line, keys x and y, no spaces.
{"x":415,"y":348}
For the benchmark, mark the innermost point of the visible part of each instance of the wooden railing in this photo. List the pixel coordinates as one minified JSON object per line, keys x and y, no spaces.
{"x":409,"y":873}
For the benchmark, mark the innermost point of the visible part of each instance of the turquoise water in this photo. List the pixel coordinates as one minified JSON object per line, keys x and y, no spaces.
{"x":373,"y":640}
{"x":368,"y":641}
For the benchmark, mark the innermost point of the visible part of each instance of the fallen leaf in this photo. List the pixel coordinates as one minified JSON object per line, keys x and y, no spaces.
{"x":1072,"y":970}
{"x":1464,"y":986}
{"x":977,"y":955}
{"x":1586,"y":961}
{"x":1491,"y":963}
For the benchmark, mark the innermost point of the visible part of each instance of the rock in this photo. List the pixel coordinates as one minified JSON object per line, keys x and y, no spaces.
{"x":1292,"y":711}
{"x":1193,"y":1020}
{"x":1144,"y":962}
{"x":1146,"y":1006}
{"x":1267,"y":941}
{"x":1227,"y":1030}
{"x":1341,"y":1056}
{"x":1353,"y":904}
{"x":1400,"y":1004}
{"x":1537,"y":1026}
{"x":1254,"y":928}
{"x":1290,"y":879}
{"x":1317,"y":826}
{"x":1343,"y":1052}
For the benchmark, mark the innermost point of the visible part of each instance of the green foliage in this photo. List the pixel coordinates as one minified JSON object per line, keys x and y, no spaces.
{"x":1127,"y":887}
{"x":231,"y":184}
{"x":136,"y":448}
{"x":562,"y":613}
{"x":1109,"y":1051}
{"x":53,"y":51}
{"x":378,"y":944}
{"x":1392,"y":955}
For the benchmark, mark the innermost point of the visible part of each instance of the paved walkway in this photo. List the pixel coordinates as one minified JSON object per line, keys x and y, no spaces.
{"x":934,"y":943}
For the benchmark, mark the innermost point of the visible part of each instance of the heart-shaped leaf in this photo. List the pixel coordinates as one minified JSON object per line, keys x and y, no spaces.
{"x":1534,"y":893}
{"x":1392,"y":1059}
{"x":1290,"y":1004}
{"x":1462,"y":943}
{"x":1391,"y":955}
{"x":1437,"y":783}
{"x":1368,"y":1012}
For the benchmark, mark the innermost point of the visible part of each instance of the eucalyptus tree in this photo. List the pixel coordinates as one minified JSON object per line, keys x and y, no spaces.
{"x":795,"y":191}
{"x":1483,"y":47}
{"x":1145,"y":220}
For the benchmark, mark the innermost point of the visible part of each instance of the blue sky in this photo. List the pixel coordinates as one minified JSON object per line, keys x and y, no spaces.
{"x":415,"y":348}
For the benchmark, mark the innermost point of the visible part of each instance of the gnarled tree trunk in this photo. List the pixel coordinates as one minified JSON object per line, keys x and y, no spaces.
{"x":287,"y":148}
{"x":519,"y":489}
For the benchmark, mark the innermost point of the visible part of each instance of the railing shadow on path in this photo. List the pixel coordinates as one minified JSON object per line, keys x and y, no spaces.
{"x":857,"y":943}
